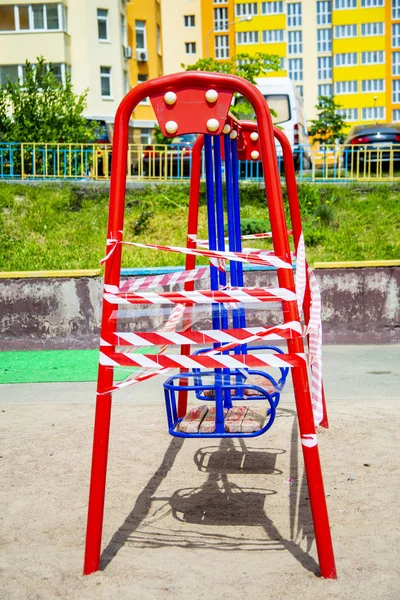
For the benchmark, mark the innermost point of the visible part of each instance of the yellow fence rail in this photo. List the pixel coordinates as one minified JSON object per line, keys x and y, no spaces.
{"x":338,"y":163}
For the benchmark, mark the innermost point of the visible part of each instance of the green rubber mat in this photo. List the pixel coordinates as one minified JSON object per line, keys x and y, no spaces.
{"x":44,"y":366}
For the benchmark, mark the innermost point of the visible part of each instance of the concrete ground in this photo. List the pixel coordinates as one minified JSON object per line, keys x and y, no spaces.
{"x":210,"y":519}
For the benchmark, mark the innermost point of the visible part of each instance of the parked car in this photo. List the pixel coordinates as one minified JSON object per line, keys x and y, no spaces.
{"x":173,"y":160}
{"x":372,"y":145}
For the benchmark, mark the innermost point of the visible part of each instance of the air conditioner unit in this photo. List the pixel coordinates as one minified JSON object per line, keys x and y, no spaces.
{"x":142,"y":55}
{"x":127,"y":52}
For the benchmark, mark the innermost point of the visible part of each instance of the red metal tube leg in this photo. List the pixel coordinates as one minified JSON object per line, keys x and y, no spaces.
{"x":97,"y":484}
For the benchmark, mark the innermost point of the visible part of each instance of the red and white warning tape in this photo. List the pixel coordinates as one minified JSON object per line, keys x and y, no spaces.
{"x":256,"y":256}
{"x":243,"y":336}
{"x":125,"y":294}
{"x":154,"y":281}
{"x":170,"y":325}
{"x":251,"y":236}
{"x":315,"y":346}
{"x":212,"y":360}
{"x":243,"y":295}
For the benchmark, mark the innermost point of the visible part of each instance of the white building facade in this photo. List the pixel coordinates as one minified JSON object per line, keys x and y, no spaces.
{"x":83,"y":37}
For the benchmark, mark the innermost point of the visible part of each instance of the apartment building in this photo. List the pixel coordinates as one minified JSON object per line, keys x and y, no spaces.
{"x":86,"y":39}
{"x":183,"y":39}
{"x":345,"y":48}
{"x":145,"y":44}
{"x":393,"y":63}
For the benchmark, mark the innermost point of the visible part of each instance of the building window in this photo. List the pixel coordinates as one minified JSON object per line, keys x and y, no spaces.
{"x":124,"y":33}
{"x":295,"y":45}
{"x":300,"y":90}
{"x":345,"y":31}
{"x":345,"y":4}
{"x":158,"y":39}
{"x":396,"y":116}
{"x":140,"y":32}
{"x":395,"y":63}
{"x":102,"y":24}
{"x":105,"y":81}
{"x":325,"y":89}
{"x":189,"y":21}
{"x":17,"y":72}
{"x":373,"y":58}
{"x":126,"y":83}
{"x":272,"y":8}
{"x":324,"y":40}
{"x":294,"y":18}
{"x":396,"y":35}
{"x":372,"y":113}
{"x":190,"y":48}
{"x":348,"y":114}
{"x":220,"y":1}
{"x":33,"y":17}
{"x":220,"y":19}
{"x":45,"y":16}
{"x":348,"y":59}
{"x":324,"y":68}
{"x":396,"y":91}
{"x":145,"y":136}
{"x":296,"y":69}
{"x":58,"y":70}
{"x":346,"y":87}
{"x":272,"y":36}
{"x":247,"y":9}
{"x":371,"y":29}
{"x":373,"y":85}
{"x":246,"y":37}
{"x":142,"y":77}
{"x":221,"y":46}
{"x":395,"y":9}
{"x":9,"y":73}
{"x":7,"y":19}
{"x":324,"y":13}
{"x":372,"y":3}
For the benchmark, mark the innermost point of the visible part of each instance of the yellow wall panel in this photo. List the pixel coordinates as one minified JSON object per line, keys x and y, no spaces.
{"x":279,"y":49}
{"x":358,"y":44}
{"x":360,"y":15}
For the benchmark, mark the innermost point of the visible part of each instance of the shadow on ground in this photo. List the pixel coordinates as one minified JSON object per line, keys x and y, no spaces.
{"x":220,"y":502}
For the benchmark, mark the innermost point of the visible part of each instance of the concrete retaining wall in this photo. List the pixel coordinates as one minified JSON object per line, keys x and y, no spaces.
{"x":359,"y":306}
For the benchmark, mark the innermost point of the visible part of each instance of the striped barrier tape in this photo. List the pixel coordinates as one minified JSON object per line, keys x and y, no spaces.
{"x":154,"y":281}
{"x":170,"y":325}
{"x":243,"y":336}
{"x":212,"y":360}
{"x":314,"y":327}
{"x":256,"y":256}
{"x":301,"y":276}
{"x":315,"y":348}
{"x":242,"y":295}
{"x":250,"y":236}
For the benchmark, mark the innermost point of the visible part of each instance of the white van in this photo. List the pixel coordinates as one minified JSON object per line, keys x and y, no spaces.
{"x":283,"y":97}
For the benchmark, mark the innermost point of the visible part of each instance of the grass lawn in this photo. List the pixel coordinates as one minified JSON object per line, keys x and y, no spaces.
{"x":54,"y":226}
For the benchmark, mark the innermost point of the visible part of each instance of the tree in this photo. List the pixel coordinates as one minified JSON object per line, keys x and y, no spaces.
{"x":248,"y":66}
{"x":159,"y":137}
{"x":40,"y":109}
{"x":329,"y":125}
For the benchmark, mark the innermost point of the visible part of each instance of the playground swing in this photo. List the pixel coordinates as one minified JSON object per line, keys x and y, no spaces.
{"x":227,"y":387}
{"x":234,"y":369}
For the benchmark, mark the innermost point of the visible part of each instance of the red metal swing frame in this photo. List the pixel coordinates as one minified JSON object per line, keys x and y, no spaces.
{"x":194,"y":85}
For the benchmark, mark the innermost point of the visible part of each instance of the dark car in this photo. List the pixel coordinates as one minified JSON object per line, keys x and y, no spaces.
{"x":173,"y":160}
{"x":375,"y":146}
